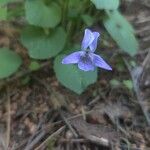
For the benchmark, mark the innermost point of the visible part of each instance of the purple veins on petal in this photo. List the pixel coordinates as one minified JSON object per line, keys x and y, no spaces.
{"x":87,"y":39}
{"x":86,"y":63}
{"x":86,"y":66}
{"x":99,"y":62}
{"x":72,"y":58}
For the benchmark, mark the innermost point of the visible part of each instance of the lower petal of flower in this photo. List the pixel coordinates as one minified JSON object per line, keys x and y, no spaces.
{"x":99,"y":62}
{"x":86,"y":66}
{"x":72,"y":58}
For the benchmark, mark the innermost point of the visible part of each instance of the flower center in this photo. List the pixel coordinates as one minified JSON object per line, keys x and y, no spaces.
{"x":85,"y":58}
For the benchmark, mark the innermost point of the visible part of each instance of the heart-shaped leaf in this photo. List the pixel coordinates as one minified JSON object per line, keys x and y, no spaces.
{"x":40,"y":14}
{"x":41,"y":45}
{"x":9,"y":62}
{"x":73,"y":78}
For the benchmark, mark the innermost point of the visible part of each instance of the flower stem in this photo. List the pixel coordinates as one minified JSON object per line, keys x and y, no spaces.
{"x":64,"y":12}
{"x":46,"y":31}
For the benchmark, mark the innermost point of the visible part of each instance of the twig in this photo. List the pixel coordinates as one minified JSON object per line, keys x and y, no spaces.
{"x":117,"y":124}
{"x":146,"y":61}
{"x":18,"y":147}
{"x":135,"y":75}
{"x":73,"y":140}
{"x":98,"y":140}
{"x":94,"y":100}
{"x":8,"y":119}
{"x":50,"y":137}
{"x":144,"y":78}
{"x":35,"y":141}
{"x":68,"y":124}
{"x":42,"y":120}
{"x":143,"y":51}
{"x":69,"y":118}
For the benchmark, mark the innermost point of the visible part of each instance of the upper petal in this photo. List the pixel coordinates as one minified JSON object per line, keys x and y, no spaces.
{"x":72,"y":58}
{"x":87,"y":39}
{"x":99,"y":62}
{"x":93,"y":45}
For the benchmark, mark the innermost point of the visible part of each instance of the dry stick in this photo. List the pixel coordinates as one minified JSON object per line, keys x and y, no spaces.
{"x":41,"y":133}
{"x":35,"y":141}
{"x":37,"y":131}
{"x":145,"y":70}
{"x":68,"y":124}
{"x":94,"y":100}
{"x":135,"y":75}
{"x":73,"y":140}
{"x":17,"y":147}
{"x":117,"y":125}
{"x":8,"y":119}
{"x":146,"y":61}
{"x":50,"y":137}
{"x":32,"y":137}
{"x":143,"y":51}
{"x":69,"y":118}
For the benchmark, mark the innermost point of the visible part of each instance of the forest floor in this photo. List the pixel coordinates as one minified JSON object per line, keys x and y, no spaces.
{"x":37,"y":113}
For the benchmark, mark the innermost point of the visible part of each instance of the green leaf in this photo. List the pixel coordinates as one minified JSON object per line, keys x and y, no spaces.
{"x":9,"y":62}
{"x":128,"y":84}
{"x":40,"y":14}
{"x":74,"y":3}
{"x":106,"y":4}
{"x":72,"y":77}
{"x":34,"y":66}
{"x":41,"y":45}
{"x":118,"y":17}
{"x":17,"y":12}
{"x":115,"y":83}
{"x":3,"y":13}
{"x":121,"y":31}
{"x":4,"y":2}
{"x":133,"y":63}
{"x":88,"y":20}
{"x":25,"y":80}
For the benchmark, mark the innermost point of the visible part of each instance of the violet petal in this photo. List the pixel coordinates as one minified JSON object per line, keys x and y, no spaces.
{"x":86,"y":65}
{"x":99,"y":62}
{"x":93,"y":45}
{"x":72,"y":58}
{"x":87,"y":39}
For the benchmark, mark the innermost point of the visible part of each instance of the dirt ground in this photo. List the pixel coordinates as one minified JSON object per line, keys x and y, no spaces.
{"x":37,"y":113}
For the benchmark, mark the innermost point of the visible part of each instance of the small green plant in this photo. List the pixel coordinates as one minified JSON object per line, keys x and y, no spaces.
{"x":52,"y":29}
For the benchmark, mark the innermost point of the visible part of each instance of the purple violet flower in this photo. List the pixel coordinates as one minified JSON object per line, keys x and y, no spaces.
{"x":85,"y":58}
